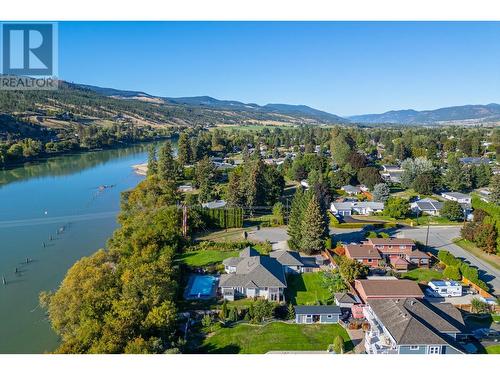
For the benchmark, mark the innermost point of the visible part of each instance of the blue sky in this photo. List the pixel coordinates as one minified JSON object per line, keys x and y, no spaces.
{"x":344,"y":68}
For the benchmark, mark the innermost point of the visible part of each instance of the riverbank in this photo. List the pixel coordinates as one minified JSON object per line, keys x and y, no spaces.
{"x":43,"y":157}
{"x":38,"y":199}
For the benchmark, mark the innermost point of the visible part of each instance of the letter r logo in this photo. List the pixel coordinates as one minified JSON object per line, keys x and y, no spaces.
{"x":28,"y":49}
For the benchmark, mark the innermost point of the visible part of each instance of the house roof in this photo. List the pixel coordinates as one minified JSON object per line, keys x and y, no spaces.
{"x":345,"y":298}
{"x":390,"y":241}
{"x":413,"y":322}
{"x":231,"y":262}
{"x":428,"y":204}
{"x":248,"y":252}
{"x":456,"y":195}
{"x":317,"y":309}
{"x":351,"y":205}
{"x":214,"y":204}
{"x":258,"y":271}
{"x":474,"y":160}
{"x":287,"y":258}
{"x":362,"y":251}
{"x":351,"y":189}
{"x":419,"y":254}
{"x":388,"y":288}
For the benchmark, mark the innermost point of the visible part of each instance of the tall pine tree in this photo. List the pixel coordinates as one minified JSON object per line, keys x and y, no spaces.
{"x":313,"y":228}
{"x":152,"y":162}
{"x":295,"y":220}
{"x":167,"y":166}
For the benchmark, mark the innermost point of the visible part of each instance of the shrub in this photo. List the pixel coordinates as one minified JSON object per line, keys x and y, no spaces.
{"x":479,"y":307}
{"x":206,"y":321}
{"x":452,"y":272}
{"x":452,"y":211}
{"x":338,"y":345}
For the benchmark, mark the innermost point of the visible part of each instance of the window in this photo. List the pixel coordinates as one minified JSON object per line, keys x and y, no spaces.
{"x":434,"y":350}
{"x":309,"y":316}
{"x":369,"y":260}
{"x":402,"y":246}
{"x":329,"y":316}
{"x":414,"y":347}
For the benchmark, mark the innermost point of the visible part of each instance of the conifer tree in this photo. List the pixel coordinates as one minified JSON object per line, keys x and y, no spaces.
{"x":313,"y":228}
{"x":295,"y":220}
{"x":167,"y":166}
{"x":152,"y":162}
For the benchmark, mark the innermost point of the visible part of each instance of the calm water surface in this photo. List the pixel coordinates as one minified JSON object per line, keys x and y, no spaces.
{"x":57,"y":203}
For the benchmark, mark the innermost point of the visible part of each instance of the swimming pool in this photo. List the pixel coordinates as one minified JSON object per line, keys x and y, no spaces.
{"x":201,"y":286}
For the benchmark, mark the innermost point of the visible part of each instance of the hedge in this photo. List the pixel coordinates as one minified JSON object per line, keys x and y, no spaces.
{"x":224,"y":217}
{"x":467,"y":271}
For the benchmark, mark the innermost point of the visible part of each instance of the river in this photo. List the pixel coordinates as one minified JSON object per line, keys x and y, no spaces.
{"x":53,"y":213}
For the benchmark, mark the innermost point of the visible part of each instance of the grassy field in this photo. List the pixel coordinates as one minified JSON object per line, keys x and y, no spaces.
{"x":251,"y":339}
{"x":494,"y":349}
{"x":306,"y":289}
{"x":206,"y":257}
{"x":492,"y":259}
{"x":422,"y":275}
{"x":222,"y":235}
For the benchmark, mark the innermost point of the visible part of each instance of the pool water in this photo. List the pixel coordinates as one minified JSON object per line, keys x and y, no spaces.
{"x":201,"y":286}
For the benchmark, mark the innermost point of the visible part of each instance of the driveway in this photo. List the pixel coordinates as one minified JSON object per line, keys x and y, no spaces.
{"x":272,"y":235}
{"x":441,"y":237}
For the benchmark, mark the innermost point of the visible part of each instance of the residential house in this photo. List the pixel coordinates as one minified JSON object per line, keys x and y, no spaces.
{"x":252,"y":275}
{"x":293,"y":262}
{"x":484,"y":194}
{"x":474,"y":160}
{"x":433,"y":207}
{"x":412,"y":326}
{"x":324,"y":314}
{"x":351,"y":190}
{"x":376,"y":289}
{"x":457,"y":197}
{"x":427,"y":206}
{"x":346,"y":300}
{"x":215,"y":204}
{"x":445,"y":288}
{"x":391,"y":173}
{"x":356,"y":208}
{"x":401,"y":253}
{"x":366,"y":254}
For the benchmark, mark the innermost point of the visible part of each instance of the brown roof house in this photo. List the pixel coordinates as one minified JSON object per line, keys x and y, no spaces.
{"x":377,"y":289}
{"x":365,"y":254}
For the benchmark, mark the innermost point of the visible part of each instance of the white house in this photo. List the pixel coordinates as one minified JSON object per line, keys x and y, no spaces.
{"x":446,"y":288}
{"x":351,"y":190}
{"x":427,"y":206}
{"x":356,"y":208}
{"x":251,"y":275}
{"x":214,"y":204}
{"x":457,"y":197}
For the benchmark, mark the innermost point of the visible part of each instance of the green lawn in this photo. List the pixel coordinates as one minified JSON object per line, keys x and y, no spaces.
{"x":491,"y":259}
{"x":306,"y":289}
{"x":422,"y":275}
{"x":494,"y":349}
{"x":206,"y":257}
{"x":252,"y":339}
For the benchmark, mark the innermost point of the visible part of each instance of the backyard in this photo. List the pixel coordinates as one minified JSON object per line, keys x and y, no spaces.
{"x":259,"y":339}
{"x":206,"y":257}
{"x":306,"y":289}
{"x":422,"y":275}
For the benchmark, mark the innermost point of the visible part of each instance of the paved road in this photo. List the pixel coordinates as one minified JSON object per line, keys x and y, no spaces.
{"x":442,"y":238}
